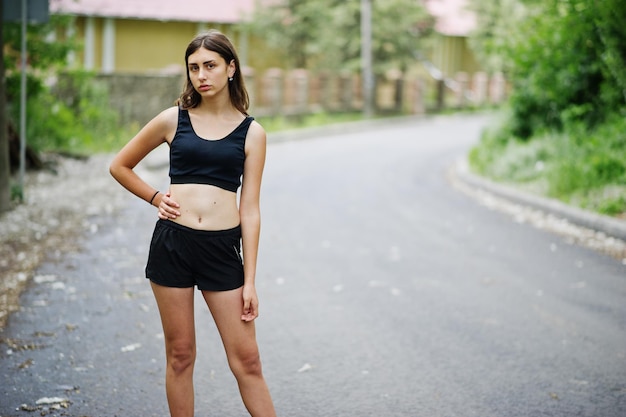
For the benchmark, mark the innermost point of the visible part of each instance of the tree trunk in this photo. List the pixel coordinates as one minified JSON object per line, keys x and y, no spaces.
{"x":32,"y":159}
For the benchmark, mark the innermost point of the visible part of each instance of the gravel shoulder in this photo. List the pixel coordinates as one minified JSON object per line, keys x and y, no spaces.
{"x":60,"y":201}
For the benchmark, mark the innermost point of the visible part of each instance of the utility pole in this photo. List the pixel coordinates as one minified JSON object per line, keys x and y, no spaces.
{"x":23,"y":100}
{"x":25,"y":12}
{"x":366,"y":58}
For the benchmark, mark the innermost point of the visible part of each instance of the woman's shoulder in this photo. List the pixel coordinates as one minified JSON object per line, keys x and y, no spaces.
{"x":169,"y":113}
{"x":164,"y":124}
{"x":254,"y":125}
{"x":255,"y":130}
{"x":168,"y":118}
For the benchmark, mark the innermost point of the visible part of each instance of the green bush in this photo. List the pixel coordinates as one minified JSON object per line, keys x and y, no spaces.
{"x":557,"y":69}
{"x":74,"y":117}
{"x":590,"y":159}
{"x":564,"y":132}
{"x":582,"y":166}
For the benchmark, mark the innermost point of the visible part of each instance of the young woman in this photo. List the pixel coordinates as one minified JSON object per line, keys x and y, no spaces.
{"x":215,"y":147}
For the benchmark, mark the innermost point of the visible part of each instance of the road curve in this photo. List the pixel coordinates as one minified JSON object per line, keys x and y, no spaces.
{"x":384,"y":292}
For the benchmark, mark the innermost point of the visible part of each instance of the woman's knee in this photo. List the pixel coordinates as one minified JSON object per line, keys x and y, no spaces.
{"x":246,"y":363}
{"x":181,"y":357}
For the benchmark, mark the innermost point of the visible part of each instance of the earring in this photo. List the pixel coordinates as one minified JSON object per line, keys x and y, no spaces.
{"x":230,"y":78}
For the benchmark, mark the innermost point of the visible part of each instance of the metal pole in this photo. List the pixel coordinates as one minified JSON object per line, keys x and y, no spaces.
{"x":366,"y":57}
{"x":5,"y":161}
{"x":23,"y":102}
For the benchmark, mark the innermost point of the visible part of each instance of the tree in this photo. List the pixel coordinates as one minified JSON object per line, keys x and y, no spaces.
{"x":496,"y":20}
{"x":612,"y":33}
{"x":47,"y":55}
{"x":325,"y":34}
{"x":565,"y":59}
{"x":292,"y":26}
{"x":44,"y":56}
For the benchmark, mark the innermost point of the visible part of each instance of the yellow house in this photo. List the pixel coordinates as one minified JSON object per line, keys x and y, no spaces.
{"x":148,"y":36}
{"x":137,"y":46}
{"x":454,"y":22}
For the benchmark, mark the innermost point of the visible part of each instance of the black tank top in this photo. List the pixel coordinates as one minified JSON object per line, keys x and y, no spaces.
{"x":194,"y":160}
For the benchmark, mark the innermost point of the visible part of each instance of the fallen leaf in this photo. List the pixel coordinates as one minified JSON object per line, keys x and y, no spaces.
{"x":26,"y":364}
{"x":306,"y":367}
{"x":26,"y":407}
{"x":51,"y":400}
{"x":41,"y":279}
{"x":44,"y":334}
{"x":130,"y":348}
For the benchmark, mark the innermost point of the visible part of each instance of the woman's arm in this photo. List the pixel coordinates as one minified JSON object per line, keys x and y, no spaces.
{"x":250,"y":215}
{"x":154,"y":133}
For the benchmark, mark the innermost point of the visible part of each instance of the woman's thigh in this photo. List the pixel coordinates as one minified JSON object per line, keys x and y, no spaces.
{"x":239,"y":337}
{"x":177,"y":315}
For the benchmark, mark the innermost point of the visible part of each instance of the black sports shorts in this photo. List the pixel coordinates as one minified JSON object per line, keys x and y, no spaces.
{"x":182,"y":257}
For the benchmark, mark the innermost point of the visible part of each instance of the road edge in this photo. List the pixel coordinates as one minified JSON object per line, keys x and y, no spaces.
{"x":608,"y":225}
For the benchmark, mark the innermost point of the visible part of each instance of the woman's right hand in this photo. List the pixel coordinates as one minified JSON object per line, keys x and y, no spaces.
{"x":168,"y":208}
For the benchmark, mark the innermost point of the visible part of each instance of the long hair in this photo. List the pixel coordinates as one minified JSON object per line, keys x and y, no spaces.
{"x":215,"y":41}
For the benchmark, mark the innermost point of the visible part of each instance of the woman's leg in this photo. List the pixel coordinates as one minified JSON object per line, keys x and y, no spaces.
{"x":239,"y":340}
{"x":176,"y":308}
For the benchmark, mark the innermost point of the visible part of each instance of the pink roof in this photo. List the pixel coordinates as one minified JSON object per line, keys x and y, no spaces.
{"x":217,"y":11}
{"x":452,"y":17}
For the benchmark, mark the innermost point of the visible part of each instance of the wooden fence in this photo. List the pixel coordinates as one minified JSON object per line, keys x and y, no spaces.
{"x":298,"y":92}
{"x":138,"y":98}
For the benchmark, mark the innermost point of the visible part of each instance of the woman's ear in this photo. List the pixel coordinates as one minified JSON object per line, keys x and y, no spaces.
{"x":232,"y":68}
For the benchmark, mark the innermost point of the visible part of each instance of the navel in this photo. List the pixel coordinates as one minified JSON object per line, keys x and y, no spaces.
{"x":199,"y":219}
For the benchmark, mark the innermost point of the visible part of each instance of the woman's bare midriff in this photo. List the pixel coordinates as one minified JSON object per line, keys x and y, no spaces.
{"x":205,"y":207}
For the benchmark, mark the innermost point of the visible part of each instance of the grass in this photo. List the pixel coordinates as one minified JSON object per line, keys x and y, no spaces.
{"x":112,"y":140}
{"x":279,"y":123}
{"x":582,"y":167}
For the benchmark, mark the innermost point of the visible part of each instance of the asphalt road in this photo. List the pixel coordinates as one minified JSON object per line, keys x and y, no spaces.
{"x":384,"y":292}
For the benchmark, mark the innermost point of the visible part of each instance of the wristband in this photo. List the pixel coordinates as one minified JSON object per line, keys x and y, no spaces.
{"x":152,"y":199}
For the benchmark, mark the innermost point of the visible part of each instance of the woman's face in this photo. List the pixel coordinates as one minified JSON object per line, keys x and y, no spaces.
{"x":209,"y":72}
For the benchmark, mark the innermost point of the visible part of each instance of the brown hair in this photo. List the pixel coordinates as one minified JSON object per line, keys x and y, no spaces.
{"x":217,"y":42}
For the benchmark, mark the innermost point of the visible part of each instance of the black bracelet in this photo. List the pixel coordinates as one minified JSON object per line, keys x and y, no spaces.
{"x":152,"y":199}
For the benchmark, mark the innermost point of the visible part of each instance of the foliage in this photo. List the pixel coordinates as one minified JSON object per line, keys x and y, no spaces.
{"x":490,"y":39}
{"x":44,"y":54}
{"x":282,"y":123}
{"x":563,"y":132}
{"x":80,"y":122}
{"x":556,"y":70}
{"x":290,"y":26}
{"x":326,"y":34}
{"x":589,"y":159}
{"x":565,"y":60}
{"x":611,"y":30}
{"x":581,"y":166}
